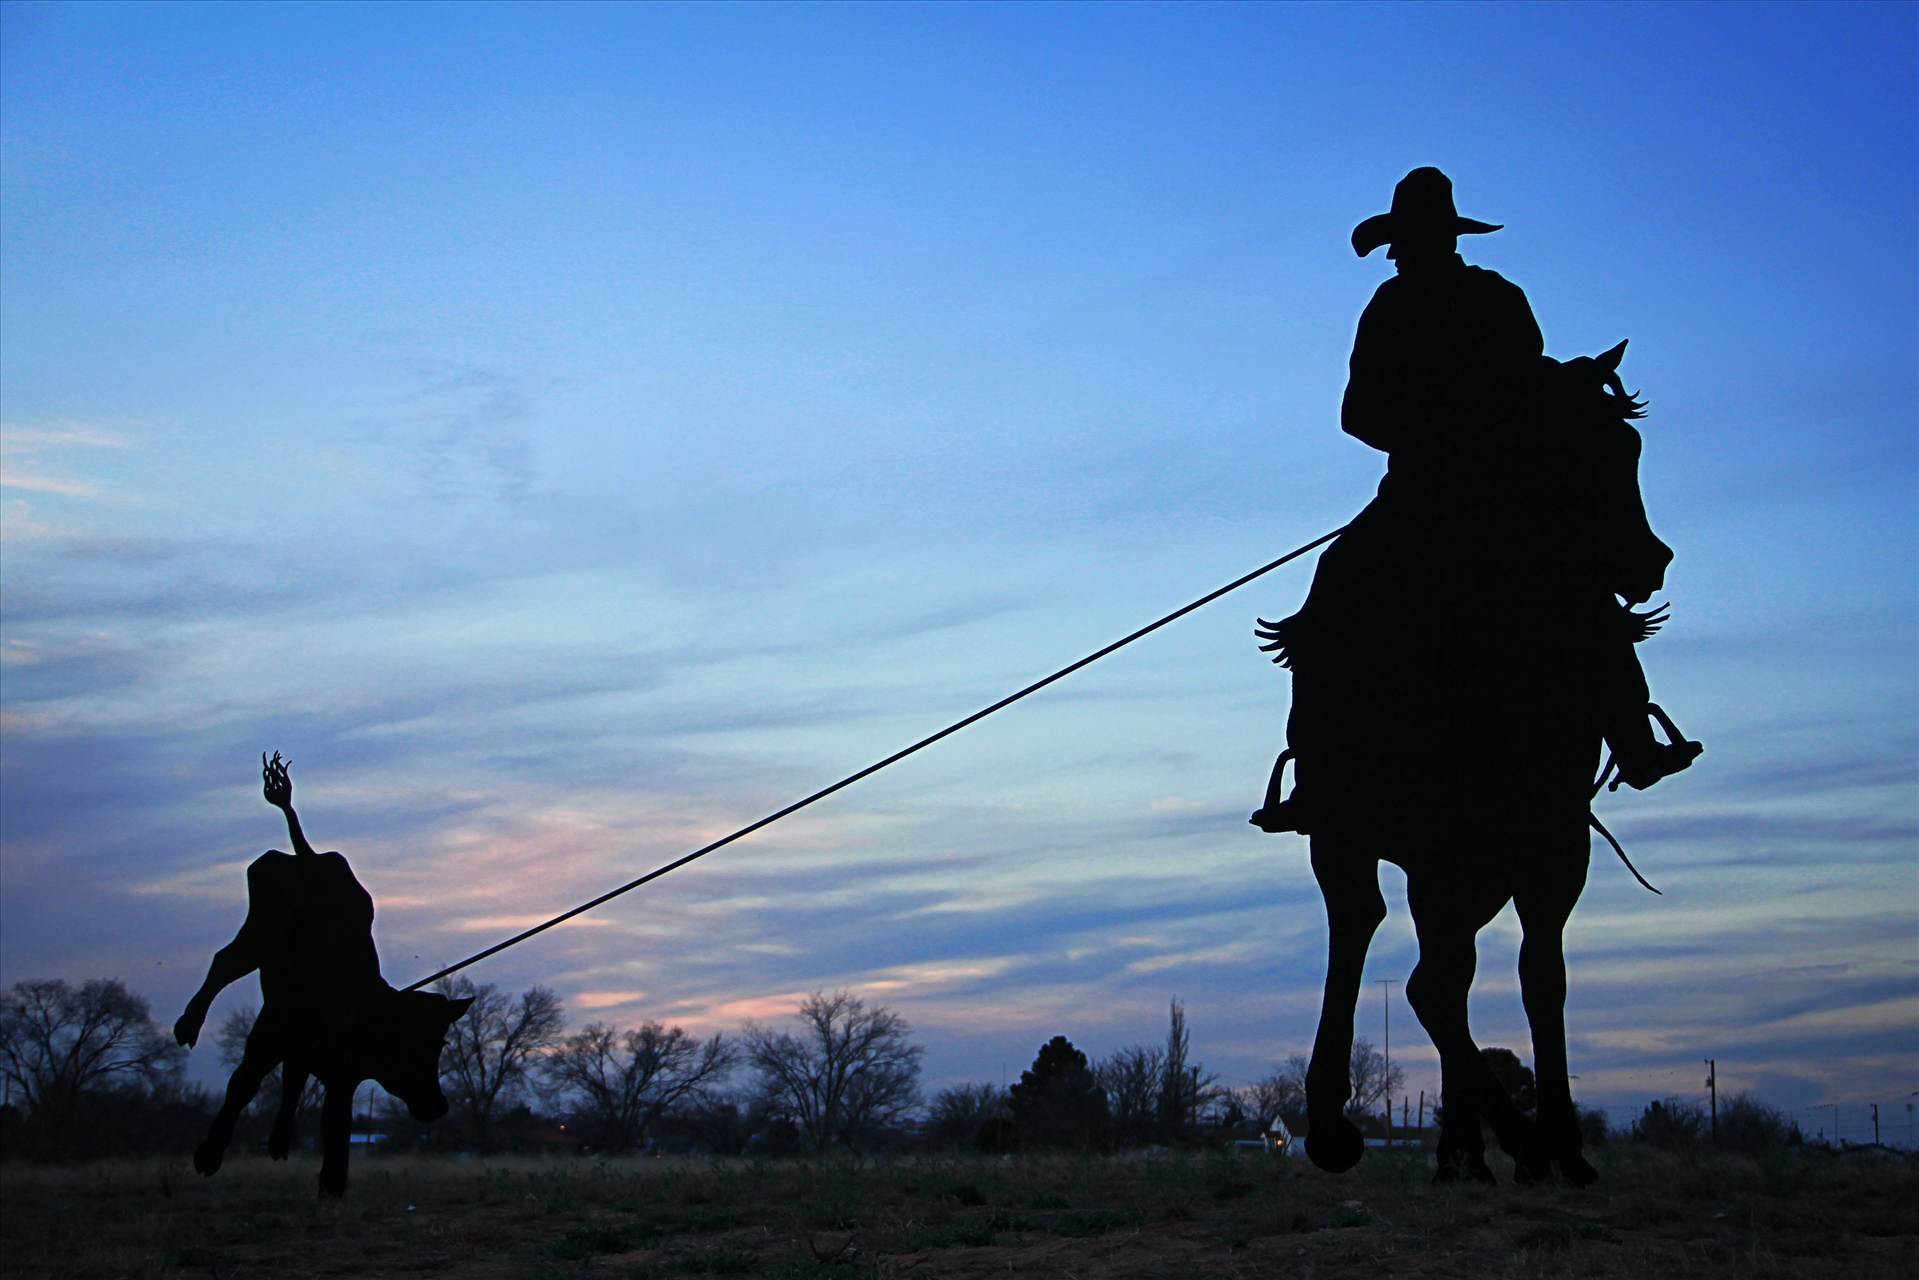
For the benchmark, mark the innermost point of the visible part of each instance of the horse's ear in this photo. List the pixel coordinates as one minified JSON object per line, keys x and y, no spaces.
{"x":454,"y":1008}
{"x":1610,"y":360}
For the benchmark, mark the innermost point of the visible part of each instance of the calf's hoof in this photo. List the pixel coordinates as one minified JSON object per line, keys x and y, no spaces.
{"x":1574,"y":1169}
{"x":207,"y":1157}
{"x":1334,"y":1144}
{"x":1467,"y":1167}
{"x":1532,"y":1170}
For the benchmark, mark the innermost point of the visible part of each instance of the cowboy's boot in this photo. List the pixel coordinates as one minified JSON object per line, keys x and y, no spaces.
{"x":1645,"y":763}
{"x":1279,"y":815}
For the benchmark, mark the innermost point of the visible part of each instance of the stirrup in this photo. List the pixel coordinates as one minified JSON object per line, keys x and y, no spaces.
{"x":1278,"y":815}
{"x":1668,"y":757}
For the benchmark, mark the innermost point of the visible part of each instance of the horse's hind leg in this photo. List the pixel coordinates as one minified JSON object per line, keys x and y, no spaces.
{"x":1449,"y":908}
{"x":1349,"y":882}
{"x":1545,"y":901}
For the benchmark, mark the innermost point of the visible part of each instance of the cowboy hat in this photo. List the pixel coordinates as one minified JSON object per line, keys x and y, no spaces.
{"x":1422,"y":206}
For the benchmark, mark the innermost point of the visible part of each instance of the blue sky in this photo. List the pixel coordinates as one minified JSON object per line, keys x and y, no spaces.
{"x":572,"y":432}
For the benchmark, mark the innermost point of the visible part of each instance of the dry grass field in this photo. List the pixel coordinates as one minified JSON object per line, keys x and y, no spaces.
{"x":1187,"y":1216}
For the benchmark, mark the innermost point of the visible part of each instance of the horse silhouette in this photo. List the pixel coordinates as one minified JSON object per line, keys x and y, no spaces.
{"x":1461,"y":742}
{"x":326,"y":1011}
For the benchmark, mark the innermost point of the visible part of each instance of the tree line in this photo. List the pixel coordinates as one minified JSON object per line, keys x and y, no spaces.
{"x":86,"y":1071}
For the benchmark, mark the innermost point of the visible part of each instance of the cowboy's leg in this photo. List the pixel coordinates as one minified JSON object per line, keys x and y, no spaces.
{"x":1548,"y":890}
{"x":1623,"y":694}
{"x":1625,"y":706}
{"x":262,"y":1053}
{"x":1450,"y":905}
{"x":1348,"y":876}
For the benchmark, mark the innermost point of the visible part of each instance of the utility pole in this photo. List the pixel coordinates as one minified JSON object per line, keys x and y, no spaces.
{"x":1387,"y":1011}
{"x":1422,"y":1115}
{"x":1712,"y":1083}
{"x":1875,"y":1124}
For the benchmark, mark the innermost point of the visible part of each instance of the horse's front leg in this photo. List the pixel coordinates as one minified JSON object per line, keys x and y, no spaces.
{"x":1449,"y":908}
{"x":1348,"y":879}
{"x":336,"y":1127}
{"x":1545,"y":901}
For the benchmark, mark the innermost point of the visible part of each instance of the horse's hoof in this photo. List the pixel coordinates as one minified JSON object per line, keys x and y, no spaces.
{"x":206,"y":1159}
{"x":278,"y":1144}
{"x":1335,"y":1144}
{"x":332,"y":1184}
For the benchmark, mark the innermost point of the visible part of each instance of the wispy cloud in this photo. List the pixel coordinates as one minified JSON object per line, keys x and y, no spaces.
{"x":34,"y":459}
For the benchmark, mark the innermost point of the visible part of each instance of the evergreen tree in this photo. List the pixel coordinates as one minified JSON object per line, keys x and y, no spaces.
{"x":1058,"y":1101}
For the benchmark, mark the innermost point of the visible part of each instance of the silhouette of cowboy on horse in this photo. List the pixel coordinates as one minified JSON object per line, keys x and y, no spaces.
{"x":1507,"y":470}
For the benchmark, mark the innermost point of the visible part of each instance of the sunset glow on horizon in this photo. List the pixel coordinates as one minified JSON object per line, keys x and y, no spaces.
{"x":571,"y":433}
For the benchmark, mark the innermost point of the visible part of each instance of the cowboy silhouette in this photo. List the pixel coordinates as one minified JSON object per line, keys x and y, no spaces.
{"x":1449,"y":379}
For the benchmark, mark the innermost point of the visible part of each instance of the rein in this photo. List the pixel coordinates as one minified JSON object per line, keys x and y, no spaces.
{"x":1592,"y":820}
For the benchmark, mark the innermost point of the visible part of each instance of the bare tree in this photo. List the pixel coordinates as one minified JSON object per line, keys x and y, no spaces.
{"x":626,"y":1080}
{"x":489,"y":1051}
{"x":1374,"y":1081}
{"x":58,"y":1043}
{"x":849,"y":1072}
{"x":1281,"y":1094}
{"x":1185,"y":1086}
{"x":1133,"y":1078}
{"x":954,"y":1117}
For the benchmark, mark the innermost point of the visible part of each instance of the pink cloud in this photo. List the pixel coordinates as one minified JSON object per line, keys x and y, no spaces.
{"x":607,"y":999}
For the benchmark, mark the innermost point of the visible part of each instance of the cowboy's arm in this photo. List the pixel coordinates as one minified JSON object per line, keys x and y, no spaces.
{"x":1374,"y":409}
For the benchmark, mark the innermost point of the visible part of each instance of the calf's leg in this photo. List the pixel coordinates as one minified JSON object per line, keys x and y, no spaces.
{"x":336,"y":1126}
{"x":293,"y":1083}
{"x":261,"y":1054}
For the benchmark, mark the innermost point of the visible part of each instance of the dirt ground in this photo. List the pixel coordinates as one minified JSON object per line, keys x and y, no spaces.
{"x":1184,"y":1216}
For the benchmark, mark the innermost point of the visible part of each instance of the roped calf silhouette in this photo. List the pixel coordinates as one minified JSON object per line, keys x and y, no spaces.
{"x":393,"y":1038}
{"x":327,"y":1011}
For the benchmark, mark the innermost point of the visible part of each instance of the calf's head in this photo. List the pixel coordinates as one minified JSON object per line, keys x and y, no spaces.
{"x":407,"y":1061}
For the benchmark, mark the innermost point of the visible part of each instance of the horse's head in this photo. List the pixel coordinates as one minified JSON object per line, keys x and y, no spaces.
{"x":1593,"y":386}
{"x":1586,"y":397}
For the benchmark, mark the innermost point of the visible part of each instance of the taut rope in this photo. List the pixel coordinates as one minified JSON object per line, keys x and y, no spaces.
{"x":897,"y":756}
